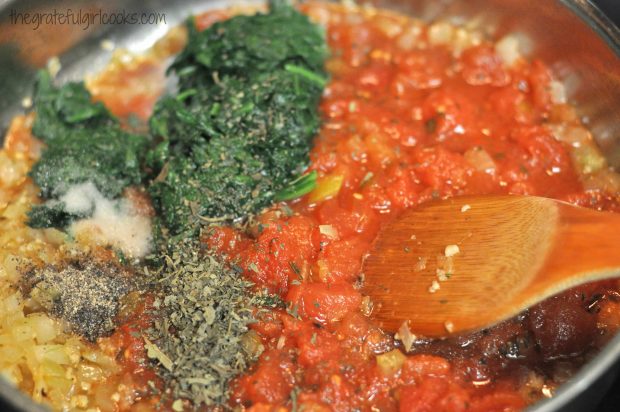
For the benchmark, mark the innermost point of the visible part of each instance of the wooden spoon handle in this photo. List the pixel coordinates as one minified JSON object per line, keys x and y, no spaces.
{"x":585,"y":248}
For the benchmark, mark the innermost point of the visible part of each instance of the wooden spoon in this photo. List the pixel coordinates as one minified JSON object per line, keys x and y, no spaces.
{"x":507,"y":253}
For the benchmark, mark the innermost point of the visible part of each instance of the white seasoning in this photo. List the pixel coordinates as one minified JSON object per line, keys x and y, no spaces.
{"x":451,"y":250}
{"x":113,"y":222}
{"x":434,"y":287}
{"x":465,"y":208}
{"x":358,"y":196}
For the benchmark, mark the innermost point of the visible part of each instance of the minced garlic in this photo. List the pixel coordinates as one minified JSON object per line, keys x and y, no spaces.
{"x":449,"y":326}
{"x":451,"y":250}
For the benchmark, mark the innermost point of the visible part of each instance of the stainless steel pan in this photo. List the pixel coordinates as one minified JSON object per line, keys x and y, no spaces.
{"x":581,"y":45}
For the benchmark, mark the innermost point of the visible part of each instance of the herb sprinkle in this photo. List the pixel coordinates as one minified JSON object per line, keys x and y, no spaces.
{"x":205,"y":308}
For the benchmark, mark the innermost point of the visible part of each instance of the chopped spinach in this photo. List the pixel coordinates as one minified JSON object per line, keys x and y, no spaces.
{"x":240,"y":128}
{"x":50,"y":214}
{"x":85,"y":143}
{"x":67,"y":108}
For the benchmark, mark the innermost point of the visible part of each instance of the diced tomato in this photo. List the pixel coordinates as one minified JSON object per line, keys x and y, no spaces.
{"x":420,"y":366}
{"x":421,"y":69}
{"x":317,"y":346}
{"x":433,"y":395}
{"x":498,"y":402}
{"x":269,"y":325}
{"x":281,"y":253}
{"x":205,"y":20}
{"x":377,"y":76}
{"x":324,"y":303}
{"x":225,"y":240}
{"x":481,"y":66}
{"x":441,"y":169}
{"x":271,"y":381}
{"x":543,"y":149}
{"x":337,"y":392}
{"x":341,"y":260}
{"x":403,"y":186}
{"x":540,"y":79}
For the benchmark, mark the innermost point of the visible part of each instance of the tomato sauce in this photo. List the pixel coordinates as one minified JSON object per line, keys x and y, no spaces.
{"x":136,"y":385}
{"x":405,"y":123}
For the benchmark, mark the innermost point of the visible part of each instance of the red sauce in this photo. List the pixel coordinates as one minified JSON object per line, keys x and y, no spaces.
{"x":402,"y":127}
{"x":136,"y":386}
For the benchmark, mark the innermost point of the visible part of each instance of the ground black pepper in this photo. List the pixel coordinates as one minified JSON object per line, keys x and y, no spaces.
{"x":83,"y":292}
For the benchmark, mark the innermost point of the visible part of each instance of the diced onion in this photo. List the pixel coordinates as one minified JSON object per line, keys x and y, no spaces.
{"x":587,"y":159}
{"x":89,"y":373}
{"x":405,"y":336}
{"x":55,"y":354}
{"x":329,"y":231}
{"x":45,"y":329}
{"x":440,"y":33}
{"x":323,"y":270}
{"x":507,"y":48}
{"x":409,"y":37}
{"x":558,"y":92}
{"x":389,"y":363}
{"x":575,"y":136}
{"x":388,"y":26}
{"x":480,"y":160}
{"x":605,"y":180}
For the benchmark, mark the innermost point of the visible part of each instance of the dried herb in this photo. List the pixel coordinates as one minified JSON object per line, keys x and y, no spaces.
{"x":431,"y":125}
{"x":270,"y":301}
{"x":205,"y":310}
{"x":84,"y":293}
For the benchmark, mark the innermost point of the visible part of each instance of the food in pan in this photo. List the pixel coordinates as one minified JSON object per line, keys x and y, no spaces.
{"x":202,"y":248}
